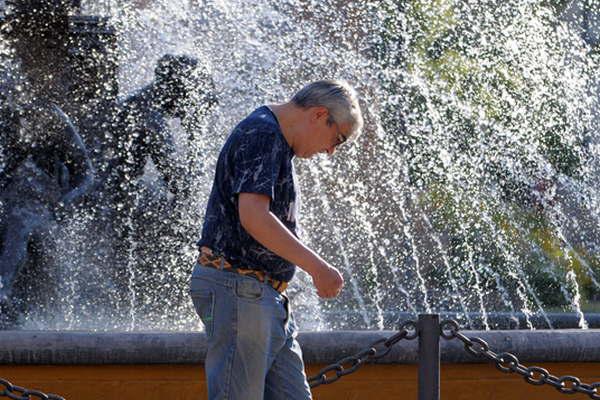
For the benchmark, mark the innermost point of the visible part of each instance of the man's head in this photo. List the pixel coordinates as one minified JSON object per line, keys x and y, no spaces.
{"x":330,"y":116}
{"x":174,"y":80}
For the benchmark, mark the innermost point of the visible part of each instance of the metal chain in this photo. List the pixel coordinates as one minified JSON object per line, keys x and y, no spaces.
{"x":14,"y":392}
{"x":377,"y":350}
{"x":509,"y":363}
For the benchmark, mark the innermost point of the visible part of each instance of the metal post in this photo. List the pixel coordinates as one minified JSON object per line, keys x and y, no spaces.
{"x":429,"y":356}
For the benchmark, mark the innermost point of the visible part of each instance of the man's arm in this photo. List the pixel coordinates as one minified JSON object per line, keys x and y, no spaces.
{"x":263,"y":226}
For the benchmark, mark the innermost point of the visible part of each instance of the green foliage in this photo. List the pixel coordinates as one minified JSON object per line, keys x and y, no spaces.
{"x":488,"y":106}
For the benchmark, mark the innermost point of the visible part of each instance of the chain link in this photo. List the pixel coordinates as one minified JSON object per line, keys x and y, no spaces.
{"x":509,"y":363}
{"x":14,"y":392}
{"x":343,"y":367}
{"x":378,"y":349}
{"x":449,"y":329}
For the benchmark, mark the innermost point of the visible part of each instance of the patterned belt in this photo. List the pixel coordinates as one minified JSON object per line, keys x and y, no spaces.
{"x":208,"y":259}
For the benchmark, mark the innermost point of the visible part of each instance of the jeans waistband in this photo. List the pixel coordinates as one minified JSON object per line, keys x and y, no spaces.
{"x":208,"y":259}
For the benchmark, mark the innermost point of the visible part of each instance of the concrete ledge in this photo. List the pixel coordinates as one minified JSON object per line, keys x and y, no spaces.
{"x":92,"y":348}
{"x":496,"y":320}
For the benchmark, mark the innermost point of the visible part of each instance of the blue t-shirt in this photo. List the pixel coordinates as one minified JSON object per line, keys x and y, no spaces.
{"x":256,"y":158}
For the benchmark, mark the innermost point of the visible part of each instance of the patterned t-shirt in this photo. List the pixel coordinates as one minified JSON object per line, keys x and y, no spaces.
{"x":256,"y":158}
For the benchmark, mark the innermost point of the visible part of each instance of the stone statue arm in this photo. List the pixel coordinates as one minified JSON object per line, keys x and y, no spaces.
{"x":12,"y":160}
{"x":208,"y":98}
{"x":77,"y":152}
{"x":11,"y":154}
{"x":204,"y":102}
{"x":129,"y":141}
{"x":163,"y":153}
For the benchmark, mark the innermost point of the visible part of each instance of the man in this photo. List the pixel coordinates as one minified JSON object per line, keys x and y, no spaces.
{"x":250,"y":250}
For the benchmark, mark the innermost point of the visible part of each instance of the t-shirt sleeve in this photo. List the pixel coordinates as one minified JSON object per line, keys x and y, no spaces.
{"x":256,"y":162}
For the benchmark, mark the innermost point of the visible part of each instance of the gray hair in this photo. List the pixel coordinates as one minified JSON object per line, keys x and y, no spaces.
{"x":339,"y":98}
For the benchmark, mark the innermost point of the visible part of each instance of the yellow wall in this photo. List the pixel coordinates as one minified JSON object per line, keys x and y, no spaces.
{"x":186,"y":382}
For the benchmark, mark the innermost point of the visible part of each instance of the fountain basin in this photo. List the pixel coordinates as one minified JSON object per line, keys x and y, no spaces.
{"x":164,"y":365}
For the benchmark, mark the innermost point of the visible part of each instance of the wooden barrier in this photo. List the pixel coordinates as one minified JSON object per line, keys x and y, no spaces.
{"x":375,"y":382}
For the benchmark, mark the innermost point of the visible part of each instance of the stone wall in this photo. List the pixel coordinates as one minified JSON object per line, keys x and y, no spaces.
{"x":153,"y":366}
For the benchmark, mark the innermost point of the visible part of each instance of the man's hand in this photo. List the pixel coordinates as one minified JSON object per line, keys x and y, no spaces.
{"x":327,"y":280}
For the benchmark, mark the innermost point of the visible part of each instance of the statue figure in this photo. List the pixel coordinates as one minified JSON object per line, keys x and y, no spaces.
{"x":46,"y":171}
{"x":142,"y":132}
{"x":65,"y":59}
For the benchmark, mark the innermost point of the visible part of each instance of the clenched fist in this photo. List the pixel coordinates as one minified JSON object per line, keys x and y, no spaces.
{"x":327,"y":280}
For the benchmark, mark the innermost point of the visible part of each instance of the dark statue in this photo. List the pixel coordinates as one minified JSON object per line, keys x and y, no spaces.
{"x":66,"y":143}
{"x":47,"y":170}
{"x":142,"y":130}
{"x":142,"y":134}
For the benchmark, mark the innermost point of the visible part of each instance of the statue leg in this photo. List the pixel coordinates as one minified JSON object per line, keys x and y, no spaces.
{"x":14,"y":250}
{"x":20,"y":224}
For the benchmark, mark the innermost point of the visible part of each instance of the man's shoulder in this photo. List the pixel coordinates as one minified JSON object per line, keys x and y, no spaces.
{"x":261,"y":121}
{"x":258,"y":129}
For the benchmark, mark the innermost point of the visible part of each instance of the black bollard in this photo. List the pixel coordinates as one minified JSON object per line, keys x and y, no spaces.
{"x":429,"y":356}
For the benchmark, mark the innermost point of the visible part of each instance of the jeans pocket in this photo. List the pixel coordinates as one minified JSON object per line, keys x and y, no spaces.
{"x":204,"y":303}
{"x":249,"y":289}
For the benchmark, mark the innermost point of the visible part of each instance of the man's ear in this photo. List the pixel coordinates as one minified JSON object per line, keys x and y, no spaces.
{"x":320,"y":112}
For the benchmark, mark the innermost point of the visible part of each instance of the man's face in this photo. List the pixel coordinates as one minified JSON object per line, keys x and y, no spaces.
{"x":321,"y":134}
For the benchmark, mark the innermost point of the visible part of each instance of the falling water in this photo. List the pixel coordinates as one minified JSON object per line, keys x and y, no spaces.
{"x":472,"y":191}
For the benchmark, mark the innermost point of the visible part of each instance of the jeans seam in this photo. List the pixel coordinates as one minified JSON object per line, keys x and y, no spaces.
{"x":210,"y":326}
{"x":213,"y":301}
{"x":232,"y":352}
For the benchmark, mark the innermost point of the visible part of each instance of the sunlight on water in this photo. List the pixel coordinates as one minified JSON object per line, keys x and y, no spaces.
{"x":473,"y":190}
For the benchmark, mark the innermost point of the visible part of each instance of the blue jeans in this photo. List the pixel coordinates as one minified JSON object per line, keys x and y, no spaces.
{"x":252,"y":349}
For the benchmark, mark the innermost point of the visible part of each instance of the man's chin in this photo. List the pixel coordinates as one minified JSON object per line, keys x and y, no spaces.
{"x":305,"y":155}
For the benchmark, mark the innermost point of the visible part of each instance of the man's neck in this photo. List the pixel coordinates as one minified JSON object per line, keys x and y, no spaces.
{"x":287,"y":115}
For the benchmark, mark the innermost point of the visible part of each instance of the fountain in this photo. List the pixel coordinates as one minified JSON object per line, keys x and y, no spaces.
{"x":473,"y":192}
